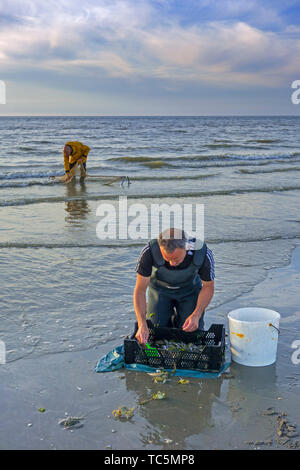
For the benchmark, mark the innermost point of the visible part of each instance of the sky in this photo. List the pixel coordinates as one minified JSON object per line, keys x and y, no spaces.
{"x":149,"y":57}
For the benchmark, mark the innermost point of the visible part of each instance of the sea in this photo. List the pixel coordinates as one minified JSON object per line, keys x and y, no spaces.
{"x":64,"y":288}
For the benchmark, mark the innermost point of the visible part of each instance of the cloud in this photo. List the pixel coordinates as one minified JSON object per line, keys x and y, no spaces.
{"x":133,"y":41}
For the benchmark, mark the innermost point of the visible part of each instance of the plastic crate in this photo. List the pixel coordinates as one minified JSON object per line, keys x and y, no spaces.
{"x":211,"y":358}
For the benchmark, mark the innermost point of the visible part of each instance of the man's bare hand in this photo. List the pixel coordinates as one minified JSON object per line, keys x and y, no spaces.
{"x":191,"y":323}
{"x":142,"y":334}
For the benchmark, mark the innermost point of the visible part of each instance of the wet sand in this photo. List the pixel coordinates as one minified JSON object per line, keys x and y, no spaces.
{"x":246,"y":408}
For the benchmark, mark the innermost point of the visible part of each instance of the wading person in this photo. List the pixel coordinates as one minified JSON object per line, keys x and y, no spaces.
{"x":75,"y":153}
{"x":179,"y":276}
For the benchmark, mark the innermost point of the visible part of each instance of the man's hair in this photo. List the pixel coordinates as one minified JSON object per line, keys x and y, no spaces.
{"x":69,"y":147}
{"x":172,"y":238}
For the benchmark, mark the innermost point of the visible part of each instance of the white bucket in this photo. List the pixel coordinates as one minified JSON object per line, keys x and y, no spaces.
{"x":253,"y":336}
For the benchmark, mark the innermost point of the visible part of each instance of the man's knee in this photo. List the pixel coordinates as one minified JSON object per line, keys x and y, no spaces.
{"x":159,"y":308}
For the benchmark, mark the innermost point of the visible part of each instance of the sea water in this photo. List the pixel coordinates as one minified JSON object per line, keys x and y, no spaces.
{"x":64,"y":289}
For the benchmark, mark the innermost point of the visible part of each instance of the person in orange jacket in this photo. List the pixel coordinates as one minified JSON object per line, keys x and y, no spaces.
{"x":75,"y":153}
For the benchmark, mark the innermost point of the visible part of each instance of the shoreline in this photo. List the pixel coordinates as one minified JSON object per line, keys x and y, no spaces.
{"x":223,"y":413}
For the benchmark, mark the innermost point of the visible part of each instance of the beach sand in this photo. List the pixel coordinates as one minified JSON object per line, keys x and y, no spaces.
{"x":246,"y":408}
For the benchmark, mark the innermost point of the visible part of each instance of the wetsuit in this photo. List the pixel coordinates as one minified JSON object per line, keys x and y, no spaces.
{"x":174,"y":287}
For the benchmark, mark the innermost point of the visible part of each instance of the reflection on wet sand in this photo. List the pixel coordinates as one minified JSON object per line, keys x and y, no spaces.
{"x":186,"y":411}
{"x":77,"y":209}
{"x":206,"y":413}
{"x":252,"y":389}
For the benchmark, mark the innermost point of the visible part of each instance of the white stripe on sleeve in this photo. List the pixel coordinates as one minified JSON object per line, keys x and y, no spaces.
{"x":210,"y":257}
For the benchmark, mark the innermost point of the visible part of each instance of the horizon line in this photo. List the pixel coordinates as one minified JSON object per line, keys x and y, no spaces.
{"x":148,"y":115}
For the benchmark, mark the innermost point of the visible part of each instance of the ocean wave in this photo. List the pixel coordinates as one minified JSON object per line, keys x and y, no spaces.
{"x":38,"y":142}
{"x":234,"y":145}
{"x":25,"y":184}
{"x":146,"y":161}
{"x":238,"y":163}
{"x":137,"y":243}
{"x":28,"y":165}
{"x":15,"y":179}
{"x":156,"y":164}
{"x":173,"y":178}
{"x":204,"y":157}
{"x":133,"y":159}
{"x":264,"y":141}
{"x":30,"y":174}
{"x":99,"y":196}
{"x":25,"y":149}
{"x":33,"y":170}
{"x":22,"y":175}
{"x":273,"y":170}
{"x":47,"y":182}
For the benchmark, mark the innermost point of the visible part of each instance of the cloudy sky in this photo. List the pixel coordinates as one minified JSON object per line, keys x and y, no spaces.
{"x":149,"y":57}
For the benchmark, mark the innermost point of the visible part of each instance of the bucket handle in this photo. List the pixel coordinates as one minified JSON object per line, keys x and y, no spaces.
{"x":271,"y":324}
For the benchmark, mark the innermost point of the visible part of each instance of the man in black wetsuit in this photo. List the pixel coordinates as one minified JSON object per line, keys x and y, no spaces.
{"x":180,"y":276}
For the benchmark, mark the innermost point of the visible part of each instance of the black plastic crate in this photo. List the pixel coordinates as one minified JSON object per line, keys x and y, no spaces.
{"x":211,"y":358}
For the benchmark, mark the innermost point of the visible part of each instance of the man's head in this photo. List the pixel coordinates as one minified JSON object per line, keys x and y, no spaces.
{"x":172,"y":243}
{"x":67,"y":150}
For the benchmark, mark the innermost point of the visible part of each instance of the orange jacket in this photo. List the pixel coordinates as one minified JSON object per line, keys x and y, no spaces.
{"x":79,"y":150}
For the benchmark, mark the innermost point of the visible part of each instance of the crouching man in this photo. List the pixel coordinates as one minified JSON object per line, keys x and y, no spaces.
{"x":75,"y":153}
{"x":180,"y":278}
